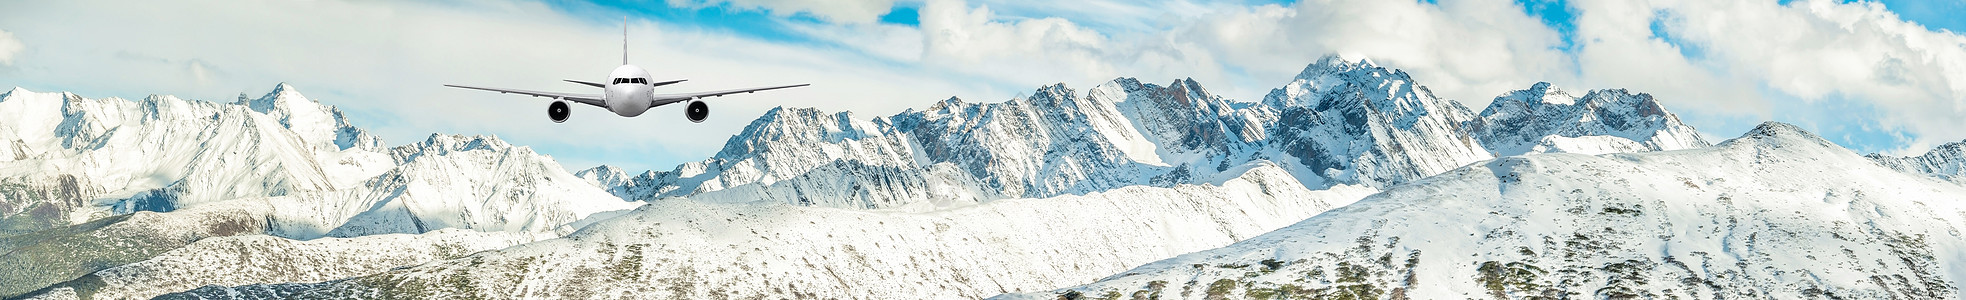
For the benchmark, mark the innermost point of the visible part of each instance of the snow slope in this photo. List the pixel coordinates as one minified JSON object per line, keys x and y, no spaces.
{"x":689,"y":249}
{"x":256,"y":259}
{"x":1776,"y":213}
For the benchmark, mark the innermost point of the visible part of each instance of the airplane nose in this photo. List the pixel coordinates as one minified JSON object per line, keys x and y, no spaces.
{"x":633,"y":100}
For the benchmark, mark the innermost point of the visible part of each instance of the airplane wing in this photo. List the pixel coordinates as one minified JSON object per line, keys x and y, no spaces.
{"x":592,"y":84}
{"x":665,"y":99}
{"x":587,"y":99}
{"x":668,"y":82}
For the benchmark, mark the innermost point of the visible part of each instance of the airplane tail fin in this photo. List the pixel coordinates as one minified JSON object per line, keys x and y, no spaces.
{"x":624,"y":40}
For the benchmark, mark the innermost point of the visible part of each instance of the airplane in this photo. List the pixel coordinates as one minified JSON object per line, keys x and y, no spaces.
{"x":628,"y":93}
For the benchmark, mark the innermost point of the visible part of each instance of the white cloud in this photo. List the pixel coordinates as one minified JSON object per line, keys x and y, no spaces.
{"x":1811,"y":50}
{"x":841,"y":11}
{"x":1465,"y":50}
{"x":1027,"y":52}
{"x":1618,"y":50}
{"x":886,"y":41}
{"x":9,"y":46}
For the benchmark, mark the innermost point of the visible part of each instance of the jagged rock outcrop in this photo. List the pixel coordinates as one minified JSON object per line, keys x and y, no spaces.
{"x":1946,"y":162}
{"x":1356,"y":122}
{"x":1545,"y":119}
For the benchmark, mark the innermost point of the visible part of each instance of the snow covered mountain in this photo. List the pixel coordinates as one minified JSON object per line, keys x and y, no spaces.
{"x":1341,"y":121}
{"x":1776,"y":213}
{"x":678,"y":248}
{"x":964,"y":196}
{"x":1947,"y":162}
{"x":75,"y":159}
{"x":89,"y":172}
{"x":101,"y":157}
{"x":1361,"y":123}
{"x":1602,"y":121}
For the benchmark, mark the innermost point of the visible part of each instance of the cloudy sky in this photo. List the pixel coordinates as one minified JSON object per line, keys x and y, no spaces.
{"x":1874,"y":76}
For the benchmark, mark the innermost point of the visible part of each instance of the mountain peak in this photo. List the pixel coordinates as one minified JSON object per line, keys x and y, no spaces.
{"x":283,"y":87}
{"x":945,"y":104}
{"x":1774,"y":134}
{"x":282,"y":95}
{"x":1337,"y":63}
{"x":1772,"y":129}
{"x":1518,"y":121}
{"x":444,"y":144}
{"x":281,"y":102}
{"x":1127,"y":83}
{"x":1055,"y":95}
{"x":604,"y":176}
{"x":1190,"y":85}
{"x":1055,"y":88}
{"x":1541,"y":92}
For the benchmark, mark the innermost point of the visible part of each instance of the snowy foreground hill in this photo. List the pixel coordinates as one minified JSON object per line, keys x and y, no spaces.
{"x":279,"y":197}
{"x":1776,"y":213}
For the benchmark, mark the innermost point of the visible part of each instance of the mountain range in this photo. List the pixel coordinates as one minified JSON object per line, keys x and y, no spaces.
{"x":1036,"y":196}
{"x":1339,"y":122}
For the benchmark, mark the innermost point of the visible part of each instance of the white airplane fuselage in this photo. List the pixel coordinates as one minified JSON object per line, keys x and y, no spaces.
{"x":628,"y":92}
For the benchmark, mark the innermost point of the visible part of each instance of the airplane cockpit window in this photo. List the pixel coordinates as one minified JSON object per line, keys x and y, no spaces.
{"x":620,"y":80}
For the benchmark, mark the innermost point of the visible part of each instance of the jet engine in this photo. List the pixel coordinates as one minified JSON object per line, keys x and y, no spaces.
{"x":697,"y":111}
{"x":558,"y":111}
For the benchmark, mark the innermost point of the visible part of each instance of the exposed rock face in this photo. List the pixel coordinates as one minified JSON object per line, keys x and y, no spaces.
{"x":1357,"y":122}
{"x":1544,"y":119}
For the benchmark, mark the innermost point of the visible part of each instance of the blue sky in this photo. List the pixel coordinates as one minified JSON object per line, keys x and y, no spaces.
{"x":1845,"y":69}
